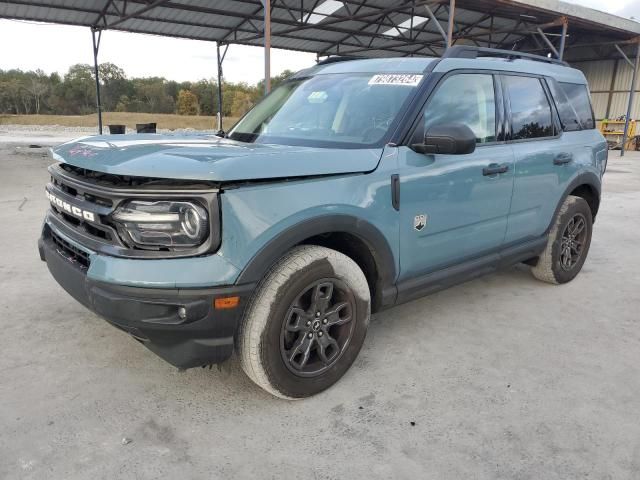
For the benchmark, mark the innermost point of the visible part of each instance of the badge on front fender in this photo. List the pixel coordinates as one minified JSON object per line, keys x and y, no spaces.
{"x":419,"y":222}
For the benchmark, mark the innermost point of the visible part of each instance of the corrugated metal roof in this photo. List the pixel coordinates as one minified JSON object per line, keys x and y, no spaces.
{"x":358,"y":27}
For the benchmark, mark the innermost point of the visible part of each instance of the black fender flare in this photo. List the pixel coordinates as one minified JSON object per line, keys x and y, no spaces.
{"x":585,"y":178}
{"x":370,"y":235}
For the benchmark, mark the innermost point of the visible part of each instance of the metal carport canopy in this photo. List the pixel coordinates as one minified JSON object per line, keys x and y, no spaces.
{"x":328,"y":27}
{"x":368,"y":28}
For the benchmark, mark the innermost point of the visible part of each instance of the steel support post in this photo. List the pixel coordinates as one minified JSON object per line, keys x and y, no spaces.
{"x":452,"y":11}
{"x":632,"y":91}
{"x":219,"y":61}
{"x":267,"y":45}
{"x":491,"y":32}
{"x":435,"y":22}
{"x":548,"y":42}
{"x":96,"y":48}
{"x":612,"y":86}
{"x":563,"y":38}
{"x":624,"y":55}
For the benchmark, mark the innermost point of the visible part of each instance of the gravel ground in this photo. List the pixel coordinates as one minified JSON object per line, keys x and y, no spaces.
{"x":55,"y":129}
{"x":53,"y":134}
{"x":502,"y":377}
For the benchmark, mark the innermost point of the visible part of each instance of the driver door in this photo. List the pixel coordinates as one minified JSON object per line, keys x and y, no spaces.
{"x":451,"y":208}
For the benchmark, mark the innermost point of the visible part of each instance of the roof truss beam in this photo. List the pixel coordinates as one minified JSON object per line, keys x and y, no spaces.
{"x":357,"y":27}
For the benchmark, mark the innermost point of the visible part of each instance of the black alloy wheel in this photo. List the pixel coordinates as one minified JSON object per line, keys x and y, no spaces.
{"x":567,"y":244}
{"x":317,"y":327}
{"x":306,"y":322}
{"x":573,"y":241}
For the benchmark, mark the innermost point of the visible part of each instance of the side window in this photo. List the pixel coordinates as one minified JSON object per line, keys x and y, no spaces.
{"x":468,"y":99}
{"x":530,"y":109}
{"x":579,"y":98}
{"x":568,"y":115}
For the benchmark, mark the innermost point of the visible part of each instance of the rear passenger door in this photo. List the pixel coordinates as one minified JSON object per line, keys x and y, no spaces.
{"x":540,"y":152}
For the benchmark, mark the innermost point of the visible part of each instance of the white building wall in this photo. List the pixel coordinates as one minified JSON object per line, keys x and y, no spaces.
{"x":599,"y":101}
{"x":624,"y":76}
{"x":600,"y":75}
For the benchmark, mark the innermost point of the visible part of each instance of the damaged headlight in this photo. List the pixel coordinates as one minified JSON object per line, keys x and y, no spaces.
{"x":162,"y":224}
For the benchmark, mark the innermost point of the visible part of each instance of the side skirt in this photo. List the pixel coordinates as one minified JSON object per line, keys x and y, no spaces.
{"x":422,"y":285}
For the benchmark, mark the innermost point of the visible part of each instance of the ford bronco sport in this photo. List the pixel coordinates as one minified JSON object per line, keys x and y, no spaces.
{"x":354,"y":186}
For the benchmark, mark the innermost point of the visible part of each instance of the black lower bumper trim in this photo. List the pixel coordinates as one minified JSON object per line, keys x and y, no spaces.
{"x":180,"y":325}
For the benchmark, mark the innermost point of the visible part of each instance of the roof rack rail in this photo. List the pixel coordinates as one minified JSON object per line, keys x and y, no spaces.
{"x":465,"y":51}
{"x":338,"y":58}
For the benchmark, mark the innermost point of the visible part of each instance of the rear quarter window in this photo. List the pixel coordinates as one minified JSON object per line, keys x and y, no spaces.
{"x":568,"y":115}
{"x":578,"y":96}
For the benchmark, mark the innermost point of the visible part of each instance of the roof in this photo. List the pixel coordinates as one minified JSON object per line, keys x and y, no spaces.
{"x":417,"y":65}
{"x":376,"y":65}
{"x":371,"y":28}
{"x":562,"y":73}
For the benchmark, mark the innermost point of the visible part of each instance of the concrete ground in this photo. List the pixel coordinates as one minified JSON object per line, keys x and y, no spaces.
{"x":503,"y":377}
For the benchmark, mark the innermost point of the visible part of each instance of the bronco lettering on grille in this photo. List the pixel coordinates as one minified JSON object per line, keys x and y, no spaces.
{"x":72,"y":209}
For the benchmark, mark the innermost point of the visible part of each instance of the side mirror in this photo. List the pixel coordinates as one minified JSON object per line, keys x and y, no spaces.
{"x":449,"y":138}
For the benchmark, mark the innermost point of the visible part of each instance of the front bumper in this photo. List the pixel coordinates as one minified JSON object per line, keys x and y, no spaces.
{"x":151,"y":315}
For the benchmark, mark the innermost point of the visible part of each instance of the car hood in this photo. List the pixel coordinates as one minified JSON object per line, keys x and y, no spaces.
{"x":207,"y":157}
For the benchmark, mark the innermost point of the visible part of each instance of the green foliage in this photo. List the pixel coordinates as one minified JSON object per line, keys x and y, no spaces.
{"x":114,"y":85}
{"x":187,"y":103}
{"x":75,"y":93}
{"x":206,"y":91}
{"x":78,"y":89}
{"x":275,"y":81}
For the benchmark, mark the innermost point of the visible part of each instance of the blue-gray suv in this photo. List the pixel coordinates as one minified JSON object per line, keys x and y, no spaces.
{"x":354,"y":186}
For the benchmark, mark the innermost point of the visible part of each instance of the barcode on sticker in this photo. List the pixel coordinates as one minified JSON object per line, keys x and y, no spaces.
{"x":396,"y":79}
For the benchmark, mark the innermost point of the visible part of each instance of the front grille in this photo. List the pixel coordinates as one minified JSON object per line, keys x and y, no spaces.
{"x":68,"y":189}
{"x":83,"y":201}
{"x":70,"y":252}
{"x":73,"y":192}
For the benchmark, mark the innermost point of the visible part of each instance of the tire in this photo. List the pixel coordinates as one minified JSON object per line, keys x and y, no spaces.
{"x":553,"y":265}
{"x":285,"y":347}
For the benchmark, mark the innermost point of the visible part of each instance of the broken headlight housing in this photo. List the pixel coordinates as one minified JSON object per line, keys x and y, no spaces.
{"x":162,"y":224}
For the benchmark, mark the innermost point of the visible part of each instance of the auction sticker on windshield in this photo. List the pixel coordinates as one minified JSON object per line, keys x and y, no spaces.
{"x":410,"y":80}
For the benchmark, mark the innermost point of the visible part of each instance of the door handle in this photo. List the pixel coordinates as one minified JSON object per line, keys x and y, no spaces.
{"x":563,"y":159}
{"x":494,"y":169}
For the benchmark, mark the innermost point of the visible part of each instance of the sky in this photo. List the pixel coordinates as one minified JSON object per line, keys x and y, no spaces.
{"x":54,"y":48}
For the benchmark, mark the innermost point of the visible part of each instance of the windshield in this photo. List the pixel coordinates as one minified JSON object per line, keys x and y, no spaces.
{"x":338,"y":110}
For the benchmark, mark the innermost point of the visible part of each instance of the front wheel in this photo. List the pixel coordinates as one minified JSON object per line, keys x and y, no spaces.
{"x":306,"y":322}
{"x":568,"y":244}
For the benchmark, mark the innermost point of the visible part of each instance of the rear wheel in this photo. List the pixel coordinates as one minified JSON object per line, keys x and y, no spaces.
{"x":306,"y":323}
{"x":568,"y":244}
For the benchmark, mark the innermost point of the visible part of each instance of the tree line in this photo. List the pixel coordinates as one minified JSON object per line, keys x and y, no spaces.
{"x":35,"y":92}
